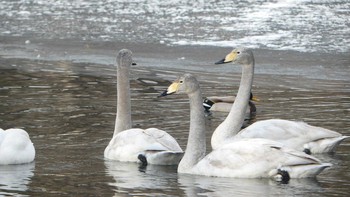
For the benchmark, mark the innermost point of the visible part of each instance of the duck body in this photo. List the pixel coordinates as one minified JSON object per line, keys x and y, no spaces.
{"x":224,"y":104}
{"x":15,"y":147}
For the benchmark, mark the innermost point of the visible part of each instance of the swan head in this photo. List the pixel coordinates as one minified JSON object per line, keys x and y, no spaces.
{"x":239,"y":56}
{"x":124,"y":58}
{"x":184,"y":84}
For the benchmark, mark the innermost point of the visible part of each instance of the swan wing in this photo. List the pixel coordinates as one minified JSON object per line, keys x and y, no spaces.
{"x":293,"y":134}
{"x":165,"y":141}
{"x":128,"y":144}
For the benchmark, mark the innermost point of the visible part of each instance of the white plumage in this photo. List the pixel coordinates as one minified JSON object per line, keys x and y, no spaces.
{"x":15,"y":147}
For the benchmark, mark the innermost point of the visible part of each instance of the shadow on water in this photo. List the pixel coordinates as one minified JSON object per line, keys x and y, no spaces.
{"x":69,"y":109}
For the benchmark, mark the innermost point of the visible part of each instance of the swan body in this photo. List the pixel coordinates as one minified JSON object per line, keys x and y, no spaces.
{"x":149,"y":146}
{"x":296,"y":135}
{"x":257,"y":158}
{"x":157,"y":145}
{"x":15,"y":147}
{"x":241,"y":158}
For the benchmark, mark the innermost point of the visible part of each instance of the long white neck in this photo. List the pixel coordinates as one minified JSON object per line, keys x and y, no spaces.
{"x":234,"y":120}
{"x":123,"y":118}
{"x":196,"y":144}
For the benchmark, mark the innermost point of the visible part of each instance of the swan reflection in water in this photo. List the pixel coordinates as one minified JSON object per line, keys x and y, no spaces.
{"x":154,"y":180}
{"x":194,"y":185}
{"x":134,"y":179}
{"x":15,"y":178}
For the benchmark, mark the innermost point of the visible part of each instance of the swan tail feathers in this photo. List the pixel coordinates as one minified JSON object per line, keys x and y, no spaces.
{"x":284,"y":173}
{"x":163,"y":157}
{"x":306,"y":171}
{"x":325,"y":145}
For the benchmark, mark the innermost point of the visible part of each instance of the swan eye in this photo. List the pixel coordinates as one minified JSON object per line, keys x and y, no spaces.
{"x":238,"y":52}
{"x":181,"y":82}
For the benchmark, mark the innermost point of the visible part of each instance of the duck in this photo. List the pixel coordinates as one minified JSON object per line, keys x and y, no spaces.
{"x":144,"y":146}
{"x":294,"y":134}
{"x":15,"y":147}
{"x":241,"y":158}
{"x":224,"y":104}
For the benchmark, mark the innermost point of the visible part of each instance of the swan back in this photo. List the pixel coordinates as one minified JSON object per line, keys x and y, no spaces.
{"x":15,"y":147}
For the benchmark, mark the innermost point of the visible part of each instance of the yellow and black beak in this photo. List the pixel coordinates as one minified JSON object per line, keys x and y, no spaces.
{"x":229,"y":58}
{"x":173,"y":88}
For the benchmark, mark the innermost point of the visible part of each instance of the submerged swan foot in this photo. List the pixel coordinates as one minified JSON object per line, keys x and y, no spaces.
{"x":282,"y":176}
{"x":143,"y":159}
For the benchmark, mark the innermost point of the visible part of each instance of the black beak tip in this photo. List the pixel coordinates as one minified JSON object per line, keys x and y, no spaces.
{"x":163,"y":94}
{"x":220,"y":62}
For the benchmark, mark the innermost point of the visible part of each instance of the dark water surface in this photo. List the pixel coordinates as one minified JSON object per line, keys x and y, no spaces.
{"x":69,"y":109}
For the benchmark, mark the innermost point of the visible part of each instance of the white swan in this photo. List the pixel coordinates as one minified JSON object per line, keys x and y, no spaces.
{"x":224,"y":103}
{"x":15,"y":147}
{"x":243,"y":158}
{"x":150,"y":146}
{"x":296,"y":135}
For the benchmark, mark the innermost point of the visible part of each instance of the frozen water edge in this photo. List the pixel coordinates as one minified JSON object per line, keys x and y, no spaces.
{"x":307,"y":26}
{"x":184,"y":57}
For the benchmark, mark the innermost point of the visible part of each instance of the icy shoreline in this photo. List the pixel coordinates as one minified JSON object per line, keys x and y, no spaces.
{"x":307,"y":26}
{"x":198,"y":58}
